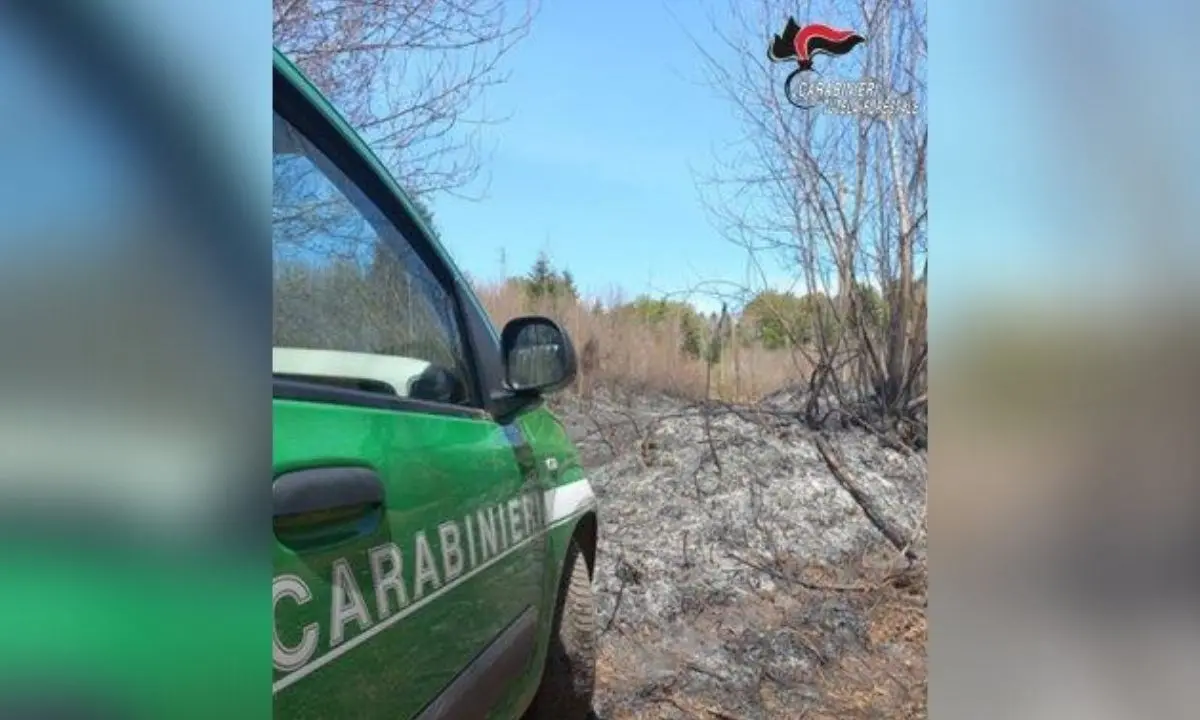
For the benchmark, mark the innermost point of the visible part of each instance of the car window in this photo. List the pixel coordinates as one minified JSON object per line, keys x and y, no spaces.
{"x":355,"y":306}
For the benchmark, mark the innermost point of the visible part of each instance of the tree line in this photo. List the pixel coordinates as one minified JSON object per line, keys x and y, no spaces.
{"x":771,"y":319}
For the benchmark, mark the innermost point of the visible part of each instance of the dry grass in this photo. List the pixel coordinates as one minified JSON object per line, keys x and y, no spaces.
{"x":639,"y":356}
{"x":885,"y":678}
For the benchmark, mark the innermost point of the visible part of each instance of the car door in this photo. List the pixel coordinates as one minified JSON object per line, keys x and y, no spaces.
{"x":407,"y":521}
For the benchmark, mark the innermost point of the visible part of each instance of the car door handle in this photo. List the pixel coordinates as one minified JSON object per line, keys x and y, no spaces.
{"x":326,"y":505}
{"x":326,"y":488}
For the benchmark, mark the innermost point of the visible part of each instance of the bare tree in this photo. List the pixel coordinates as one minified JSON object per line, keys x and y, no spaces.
{"x":410,"y":75}
{"x":835,"y":193}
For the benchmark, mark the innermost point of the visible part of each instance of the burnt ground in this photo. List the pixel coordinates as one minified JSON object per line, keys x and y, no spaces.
{"x":738,"y":577}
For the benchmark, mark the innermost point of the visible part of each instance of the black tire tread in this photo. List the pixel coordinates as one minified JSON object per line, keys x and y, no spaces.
{"x":569,"y":678}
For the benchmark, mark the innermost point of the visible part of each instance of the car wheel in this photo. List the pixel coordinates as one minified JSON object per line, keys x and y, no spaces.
{"x":569,"y":678}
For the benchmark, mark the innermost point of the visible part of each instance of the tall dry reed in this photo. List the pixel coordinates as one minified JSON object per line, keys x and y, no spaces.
{"x":618,"y":350}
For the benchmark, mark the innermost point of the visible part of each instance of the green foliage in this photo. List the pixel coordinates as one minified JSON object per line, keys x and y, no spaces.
{"x":718,"y":337}
{"x":646,"y":310}
{"x":691,"y":327}
{"x":712,"y":349}
{"x":544,"y":282}
{"x":872,"y":308}
{"x":655,"y":312}
{"x":568,"y":285}
{"x":541,"y":278}
{"x":818,"y":318}
{"x":780,"y":320}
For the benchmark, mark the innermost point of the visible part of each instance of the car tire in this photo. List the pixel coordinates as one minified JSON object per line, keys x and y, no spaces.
{"x":569,"y":677}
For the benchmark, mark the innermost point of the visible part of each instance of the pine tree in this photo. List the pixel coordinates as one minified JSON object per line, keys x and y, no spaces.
{"x":692,"y":342}
{"x":718,"y":337}
{"x":541,"y":279}
{"x":568,"y":285}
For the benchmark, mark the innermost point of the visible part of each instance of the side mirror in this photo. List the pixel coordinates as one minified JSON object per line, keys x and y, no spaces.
{"x":538,"y":355}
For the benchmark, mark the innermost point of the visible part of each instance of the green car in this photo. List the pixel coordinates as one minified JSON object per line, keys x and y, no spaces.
{"x":435,"y":531}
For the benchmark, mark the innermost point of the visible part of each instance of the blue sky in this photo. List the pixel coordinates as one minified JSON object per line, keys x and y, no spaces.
{"x":611,"y":124}
{"x":595,"y":165}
